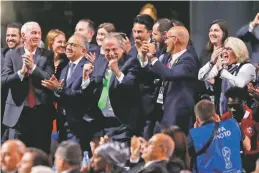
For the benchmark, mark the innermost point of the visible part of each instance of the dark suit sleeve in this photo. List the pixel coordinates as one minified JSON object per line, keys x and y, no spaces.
{"x":130,"y":77}
{"x":48,"y":69}
{"x":244,"y":34}
{"x":89,"y":95}
{"x":9,"y":77}
{"x":185,"y":68}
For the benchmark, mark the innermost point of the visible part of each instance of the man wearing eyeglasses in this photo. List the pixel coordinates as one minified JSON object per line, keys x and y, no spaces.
{"x":180,"y":83}
{"x":238,"y":109}
{"x":74,"y":102}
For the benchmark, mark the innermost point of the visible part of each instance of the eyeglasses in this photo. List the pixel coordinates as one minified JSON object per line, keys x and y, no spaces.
{"x":73,"y":45}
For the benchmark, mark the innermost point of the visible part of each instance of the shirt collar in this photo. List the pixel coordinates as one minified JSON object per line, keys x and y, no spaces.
{"x":178,"y":54}
{"x":76,"y":61}
{"x":150,"y":162}
{"x":28,"y":52}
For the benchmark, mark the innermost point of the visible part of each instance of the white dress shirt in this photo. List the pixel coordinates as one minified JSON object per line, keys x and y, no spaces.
{"x":27,"y":52}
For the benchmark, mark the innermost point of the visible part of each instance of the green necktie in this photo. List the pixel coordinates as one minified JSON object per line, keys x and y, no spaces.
{"x":105,"y":92}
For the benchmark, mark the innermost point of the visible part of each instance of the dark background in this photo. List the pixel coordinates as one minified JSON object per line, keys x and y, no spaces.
{"x":65,"y":15}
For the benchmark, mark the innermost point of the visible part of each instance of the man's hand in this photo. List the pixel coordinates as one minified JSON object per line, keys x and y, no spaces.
{"x":255,"y":94}
{"x":28,"y":60}
{"x":138,"y":44}
{"x":52,"y":84}
{"x":126,"y":45}
{"x":113,"y":64}
{"x":91,"y":57}
{"x":24,"y":69}
{"x":152,"y":48}
{"x":136,"y":147}
{"x":104,"y":140}
{"x":87,"y":70}
{"x":255,"y":21}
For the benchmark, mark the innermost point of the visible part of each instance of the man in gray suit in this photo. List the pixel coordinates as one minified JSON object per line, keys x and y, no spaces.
{"x":29,"y":107}
{"x":250,"y":33}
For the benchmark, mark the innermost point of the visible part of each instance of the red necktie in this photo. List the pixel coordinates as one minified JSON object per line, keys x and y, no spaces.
{"x":31,"y":100}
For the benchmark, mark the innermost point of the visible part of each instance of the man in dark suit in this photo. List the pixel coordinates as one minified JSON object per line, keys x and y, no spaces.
{"x":13,"y":39}
{"x":74,"y":103}
{"x":86,"y":28}
{"x":68,"y":157}
{"x":119,"y":98}
{"x":29,"y":108}
{"x":250,"y":33}
{"x":156,"y":155}
{"x":179,"y":76}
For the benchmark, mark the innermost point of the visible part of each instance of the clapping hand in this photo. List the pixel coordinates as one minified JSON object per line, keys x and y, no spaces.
{"x":87,"y":70}
{"x":91,"y":57}
{"x":255,"y":21}
{"x":127,"y":45}
{"x":255,"y":94}
{"x":52,"y":84}
{"x":28,"y":60}
{"x":216,"y":55}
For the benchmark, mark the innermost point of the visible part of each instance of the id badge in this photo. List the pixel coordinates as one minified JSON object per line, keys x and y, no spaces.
{"x":160,"y":95}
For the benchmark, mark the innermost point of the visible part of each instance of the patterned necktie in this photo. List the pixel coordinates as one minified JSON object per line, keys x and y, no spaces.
{"x":31,"y":99}
{"x":70,"y":70}
{"x":105,"y":92}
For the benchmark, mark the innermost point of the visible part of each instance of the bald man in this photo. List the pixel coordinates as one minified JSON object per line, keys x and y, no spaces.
{"x":74,"y":102}
{"x":156,"y":155}
{"x":180,"y":84}
{"x":11,"y":154}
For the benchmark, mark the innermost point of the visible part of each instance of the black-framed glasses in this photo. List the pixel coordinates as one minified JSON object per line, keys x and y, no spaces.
{"x":73,"y":45}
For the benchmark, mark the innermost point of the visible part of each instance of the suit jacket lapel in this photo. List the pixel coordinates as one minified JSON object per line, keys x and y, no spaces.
{"x":63,"y":74}
{"x":37,"y":57}
{"x":77,"y":72}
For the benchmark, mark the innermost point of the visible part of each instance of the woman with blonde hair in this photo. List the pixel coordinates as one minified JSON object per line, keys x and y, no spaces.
{"x":232,"y":66}
{"x":56,"y":42}
{"x":150,"y":10}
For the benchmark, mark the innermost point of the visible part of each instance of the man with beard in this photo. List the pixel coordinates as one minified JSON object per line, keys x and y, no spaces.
{"x":13,"y":40}
{"x":243,"y":114}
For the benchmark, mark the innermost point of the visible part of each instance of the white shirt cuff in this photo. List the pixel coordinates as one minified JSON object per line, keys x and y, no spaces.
{"x":153,"y":62}
{"x":142,"y":64}
{"x":85,"y":83}
{"x":20,"y":75}
{"x":33,"y":68}
{"x":120,"y":78}
{"x":134,"y":161}
{"x":250,"y":29}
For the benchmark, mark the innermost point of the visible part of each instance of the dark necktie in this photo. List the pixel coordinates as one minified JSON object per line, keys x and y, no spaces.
{"x":31,"y":99}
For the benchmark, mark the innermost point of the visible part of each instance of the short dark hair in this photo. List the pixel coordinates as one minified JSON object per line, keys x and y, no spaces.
{"x":205,"y":110}
{"x":39,"y":157}
{"x":91,"y":24}
{"x":164,"y":24}
{"x":71,"y":152}
{"x":15,"y":25}
{"x":144,"y":19}
{"x":237,"y":93}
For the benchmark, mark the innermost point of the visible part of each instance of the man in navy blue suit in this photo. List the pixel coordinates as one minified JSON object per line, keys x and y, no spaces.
{"x":86,"y":28}
{"x":250,"y":33}
{"x":119,"y":96}
{"x":74,"y":101}
{"x":179,"y":76}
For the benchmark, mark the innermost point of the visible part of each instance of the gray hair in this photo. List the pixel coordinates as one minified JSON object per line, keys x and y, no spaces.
{"x":116,"y":36}
{"x":71,"y":152}
{"x":25,"y":26}
{"x":114,"y":153}
{"x":41,"y":169}
{"x":84,"y":40}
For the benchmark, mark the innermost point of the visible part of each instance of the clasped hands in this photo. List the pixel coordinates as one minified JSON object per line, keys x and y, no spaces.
{"x":28,"y":63}
{"x":145,"y":50}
